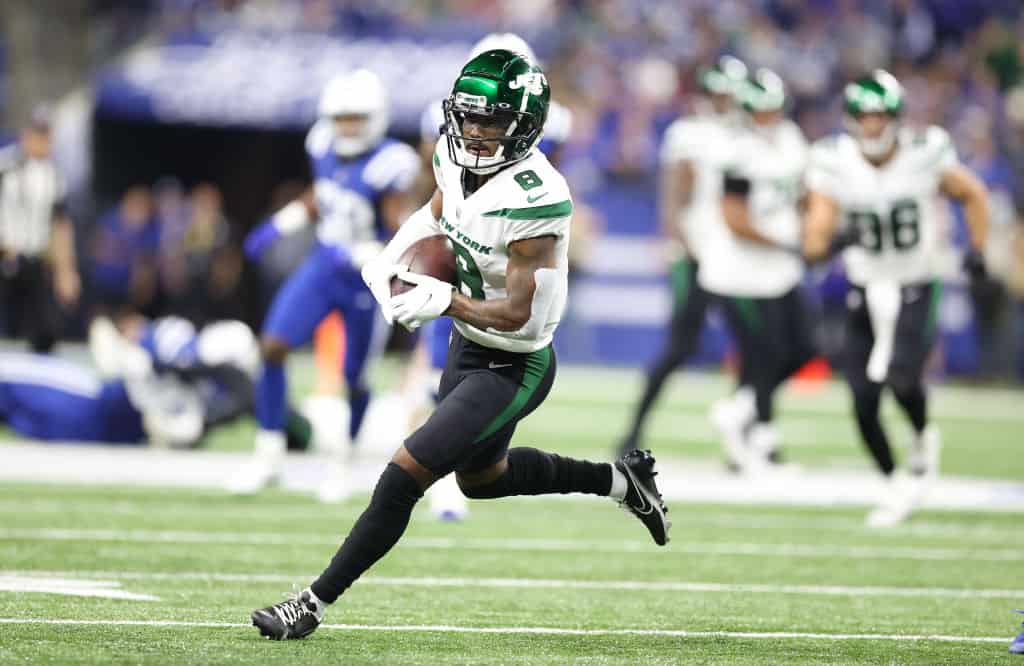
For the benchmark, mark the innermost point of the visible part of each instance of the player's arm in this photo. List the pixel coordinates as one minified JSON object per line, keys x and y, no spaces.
{"x":675,"y":191}
{"x":736,"y":210}
{"x":960,"y":184}
{"x":394,"y":207}
{"x":295,"y":215}
{"x":821,"y":215}
{"x":377,"y":273}
{"x":67,"y":283}
{"x":526,"y":281}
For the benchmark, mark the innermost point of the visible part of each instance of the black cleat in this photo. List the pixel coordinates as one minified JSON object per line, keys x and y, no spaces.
{"x":642,"y":497}
{"x":292,"y":619}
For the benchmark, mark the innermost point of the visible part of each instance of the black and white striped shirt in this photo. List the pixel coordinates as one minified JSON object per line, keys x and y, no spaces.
{"x":31,"y":195}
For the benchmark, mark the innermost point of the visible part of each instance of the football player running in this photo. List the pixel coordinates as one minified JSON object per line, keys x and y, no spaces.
{"x":690,"y":190}
{"x":359,"y":195}
{"x":873,"y":191}
{"x":507,"y":212}
{"x":446,"y":500}
{"x":754,"y":266}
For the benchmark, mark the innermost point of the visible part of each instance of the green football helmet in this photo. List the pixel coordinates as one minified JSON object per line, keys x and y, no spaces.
{"x":762,"y":91}
{"x":724,"y":77}
{"x":877,"y":92}
{"x":496,"y":88}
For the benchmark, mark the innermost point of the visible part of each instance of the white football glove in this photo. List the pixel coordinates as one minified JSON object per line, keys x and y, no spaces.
{"x":377,"y":276}
{"x":424,"y":302}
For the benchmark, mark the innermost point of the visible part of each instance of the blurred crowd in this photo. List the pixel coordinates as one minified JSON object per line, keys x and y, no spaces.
{"x":625,"y":69}
{"x":162,"y":250}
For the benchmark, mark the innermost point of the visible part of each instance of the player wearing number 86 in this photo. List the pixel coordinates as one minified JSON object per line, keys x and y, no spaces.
{"x":872,"y":196}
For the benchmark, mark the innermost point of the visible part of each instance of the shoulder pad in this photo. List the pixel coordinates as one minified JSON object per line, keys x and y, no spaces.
{"x":393,"y":165}
{"x":535,"y":190}
{"x":319,"y":139}
{"x":559,"y":123}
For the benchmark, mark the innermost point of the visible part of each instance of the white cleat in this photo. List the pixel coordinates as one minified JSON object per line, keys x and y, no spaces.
{"x":447,"y":501}
{"x":264,"y":468}
{"x":727,"y":417}
{"x":337,"y":487}
{"x":253,"y":477}
{"x":903,"y":495}
{"x":925,"y":452}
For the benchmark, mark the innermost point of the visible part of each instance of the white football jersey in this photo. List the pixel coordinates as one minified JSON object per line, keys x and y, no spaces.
{"x":774,"y":163}
{"x":526,"y":200}
{"x":705,"y":142}
{"x":895,"y":204}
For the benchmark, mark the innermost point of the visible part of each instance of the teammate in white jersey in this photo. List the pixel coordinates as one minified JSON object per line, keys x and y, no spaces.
{"x":875,"y":190}
{"x":506,"y":211}
{"x":753,"y":263}
{"x":693,"y":157}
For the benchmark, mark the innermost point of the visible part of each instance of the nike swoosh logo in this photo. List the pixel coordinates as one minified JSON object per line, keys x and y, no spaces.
{"x":646,"y":508}
{"x":536,"y":198}
{"x":494,"y":366}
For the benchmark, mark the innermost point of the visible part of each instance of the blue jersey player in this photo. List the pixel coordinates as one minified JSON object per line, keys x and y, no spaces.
{"x":158,"y":381}
{"x":361,"y":181}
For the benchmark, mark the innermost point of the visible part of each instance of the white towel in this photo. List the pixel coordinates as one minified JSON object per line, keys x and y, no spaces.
{"x":883,"y":302}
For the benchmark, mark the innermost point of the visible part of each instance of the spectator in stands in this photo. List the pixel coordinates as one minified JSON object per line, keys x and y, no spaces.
{"x":124,"y":249}
{"x":37,"y":247}
{"x":213,"y":264}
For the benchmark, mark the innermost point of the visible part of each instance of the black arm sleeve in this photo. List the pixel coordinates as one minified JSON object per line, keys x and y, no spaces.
{"x":733,"y":183}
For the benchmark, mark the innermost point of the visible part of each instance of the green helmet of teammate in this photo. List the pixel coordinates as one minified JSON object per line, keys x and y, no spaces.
{"x":877,"y":92}
{"x":763,"y":91}
{"x":724,"y":77}
{"x":497,"y":88}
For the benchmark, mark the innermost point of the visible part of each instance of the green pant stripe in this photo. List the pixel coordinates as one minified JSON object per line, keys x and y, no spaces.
{"x":681,"y":282}
{"x":933,"y":307}
{"x":537,"y":364}
{"x":749,"y":312}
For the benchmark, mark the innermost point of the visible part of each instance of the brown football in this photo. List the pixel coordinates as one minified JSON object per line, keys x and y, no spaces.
{"x":431,"y":256}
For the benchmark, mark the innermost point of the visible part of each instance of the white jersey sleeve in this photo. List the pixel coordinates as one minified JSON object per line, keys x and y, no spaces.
{"x":938,"y":149}
{"x":538,"y":205}
{"x":683,"y":141}
{"x":824,"y":168}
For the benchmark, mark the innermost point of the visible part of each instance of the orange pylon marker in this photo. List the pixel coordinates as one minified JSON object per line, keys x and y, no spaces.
{"x":328,"y":353}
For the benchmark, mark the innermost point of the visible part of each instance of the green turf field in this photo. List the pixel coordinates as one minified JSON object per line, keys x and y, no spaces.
{"x":538,"y":581}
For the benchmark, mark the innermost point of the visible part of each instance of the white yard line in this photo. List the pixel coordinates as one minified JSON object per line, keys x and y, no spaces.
{"x":525,"y":544}
{"x":552,"y":631}
{"x":704,"y":517}
{"x":545,"y":583}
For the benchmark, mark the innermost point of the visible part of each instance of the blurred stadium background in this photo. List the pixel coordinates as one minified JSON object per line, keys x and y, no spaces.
{"x":178,"y":126}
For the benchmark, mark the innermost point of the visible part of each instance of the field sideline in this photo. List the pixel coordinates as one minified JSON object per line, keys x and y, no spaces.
{"x":158,"y":575}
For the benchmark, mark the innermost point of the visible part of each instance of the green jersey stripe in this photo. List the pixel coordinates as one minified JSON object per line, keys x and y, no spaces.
{"x":537,"y":364}
{"x":560,"y":209}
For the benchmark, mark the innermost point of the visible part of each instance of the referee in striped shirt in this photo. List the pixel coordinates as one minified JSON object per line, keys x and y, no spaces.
{"x":38,"y":274}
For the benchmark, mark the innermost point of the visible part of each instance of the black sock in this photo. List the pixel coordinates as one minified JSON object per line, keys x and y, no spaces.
{"x":915,"y":404}
{"x":866,"y":403}
{"x":533,"y":472}
{"x":374,"y":534}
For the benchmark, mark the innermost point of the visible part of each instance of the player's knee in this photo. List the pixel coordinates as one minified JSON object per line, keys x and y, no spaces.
{"x":483,"y":484}
{"x":904,"y":385}
{"x":273,"y":350}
